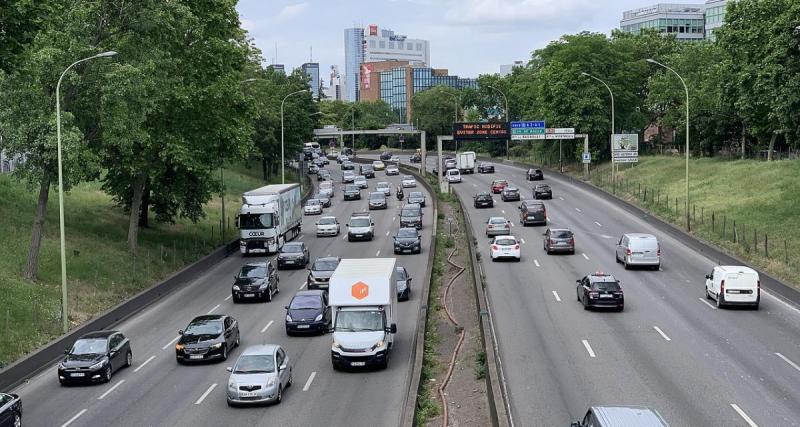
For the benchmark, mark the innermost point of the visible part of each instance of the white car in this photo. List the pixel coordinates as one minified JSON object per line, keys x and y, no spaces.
{"x":378,"y":165}
{"x":453,"y":175}
{"x":328,"y":226}
{"x":348,"y":177}
{"x":361,"y":181}
{"x":313,"y":207}
{"x":326,"y":188}
{"x":409,"y":181}
{"x":385,"y":187}
{"x":333,"y":154}
{"x":734,"y":285}
{"x":392,"y":170}
{"x":505,"y":247}
{"x":395,"y":159}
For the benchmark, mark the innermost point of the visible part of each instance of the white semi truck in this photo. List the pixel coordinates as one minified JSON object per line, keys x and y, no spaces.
{"x":465,"y":162}
{"x":363,"y":301}
{"x":269,"y":216}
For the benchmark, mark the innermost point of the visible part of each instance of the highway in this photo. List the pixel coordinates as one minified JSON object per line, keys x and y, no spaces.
{"x":157,"y":391}
{"x":670,"y":349}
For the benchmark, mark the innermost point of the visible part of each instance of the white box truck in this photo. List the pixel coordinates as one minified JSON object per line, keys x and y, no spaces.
{"x":363,"y":300}
{"x":269,"y":216}
{"x":465,"y":162}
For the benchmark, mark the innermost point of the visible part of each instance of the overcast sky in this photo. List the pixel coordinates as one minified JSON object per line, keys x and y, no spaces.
{"x":468,"y":37}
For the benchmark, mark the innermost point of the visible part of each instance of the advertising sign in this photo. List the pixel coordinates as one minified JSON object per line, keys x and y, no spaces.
{"x":625,"y":148}
{"x":560,"y":133}
{"x":373,"y":30}
{"x":480,"y":130}
{"x":366,"y":71}
{"x":527,"y":130}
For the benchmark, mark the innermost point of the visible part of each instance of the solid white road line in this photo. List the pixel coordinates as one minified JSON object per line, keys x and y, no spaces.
{"x":387,"y":233}
{"x":171,"y":342}
{"x":662,"y":333}
{"x":584,"y":255}
{"x":200,"y":400}
{"x":555,"y":294}
{"x":588,"y":348}
{"x":144,"y":363}
{"x":707,"y":303}
{"x":577,"y":209}
{"x":119,"y":383}
{"x":743,"y":415}
{"x":377,"y":253}
{"x":212,"y":310}
{"x":83,"y":411}
{"x":786,"y":359}
{"x":536,"y":261}
{"x":598,"y":224}
{"x":310,"y":380}
{"x":302,"y":285}
{"x":264,"y":329}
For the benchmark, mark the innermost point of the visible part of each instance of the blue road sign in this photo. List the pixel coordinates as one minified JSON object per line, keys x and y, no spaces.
{"x":527,"y":125}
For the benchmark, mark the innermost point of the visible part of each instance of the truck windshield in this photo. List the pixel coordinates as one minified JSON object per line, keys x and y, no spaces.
{"x":255,"y":221}
{"x":359,"y":222}
{"x":359,"y":321}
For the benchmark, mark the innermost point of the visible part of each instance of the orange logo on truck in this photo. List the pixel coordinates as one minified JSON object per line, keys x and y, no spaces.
{"x":360,"y":290}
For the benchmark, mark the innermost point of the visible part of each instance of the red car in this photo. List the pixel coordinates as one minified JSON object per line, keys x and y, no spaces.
{"x":498,"y":185}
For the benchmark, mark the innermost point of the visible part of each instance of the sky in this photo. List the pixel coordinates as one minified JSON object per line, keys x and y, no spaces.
{"x":467,"y":37}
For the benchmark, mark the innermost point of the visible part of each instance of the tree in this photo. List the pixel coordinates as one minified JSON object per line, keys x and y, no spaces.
{"x":435,"y":110}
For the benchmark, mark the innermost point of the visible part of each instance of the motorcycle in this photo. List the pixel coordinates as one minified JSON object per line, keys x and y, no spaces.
{"x":399,"y":194}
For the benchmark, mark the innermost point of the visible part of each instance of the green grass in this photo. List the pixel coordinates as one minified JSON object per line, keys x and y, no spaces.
{"x":100,"y":271}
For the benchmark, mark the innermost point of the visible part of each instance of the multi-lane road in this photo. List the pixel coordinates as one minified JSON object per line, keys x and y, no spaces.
{"x":157,"y":391}
{"x":670,"y":349}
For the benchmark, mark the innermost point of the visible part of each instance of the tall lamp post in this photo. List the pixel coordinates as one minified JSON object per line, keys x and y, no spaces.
{"x":506,"y":112}
{"x":283,"y":166}
{"x":611,"y":139}
{"x":352,"y":127}
{"x":686,"y":89}
{"x":64,"y":310}
{"x":457,"y":98}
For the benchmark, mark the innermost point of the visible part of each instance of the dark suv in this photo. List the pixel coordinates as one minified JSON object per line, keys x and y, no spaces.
{"x":532,"y":212}
{"x":256,"y":280}
{"x":559,"y":240}
{"x":534,"y":175}
{"x":293,"y":254}
{"x":368,"y":171}
{"x":600,"y":290}
{"x":407,"y":241}
{"x":484,"y":167}
{"x":510,"y":194}
{"x":542,"y":191}
{"x":411,"y":216}
{"x":483,"y":200}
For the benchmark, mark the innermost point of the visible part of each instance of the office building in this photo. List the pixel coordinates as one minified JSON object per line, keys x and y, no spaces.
{"x":277,"y":67}
{"x":354,"y":55}
{"x":312,"y":71}
{"x":685,"y":21}
{"x":506,"y":69}
{"x":715,"y":17}
{"x":335,"y":89}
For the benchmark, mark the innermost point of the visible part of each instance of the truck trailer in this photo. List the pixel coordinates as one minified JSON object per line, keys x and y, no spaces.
{"x":466,"y":162}
{"x":269,"y":216}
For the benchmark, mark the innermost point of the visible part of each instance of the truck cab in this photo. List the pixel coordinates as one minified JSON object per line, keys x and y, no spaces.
{"x":269,"y":216}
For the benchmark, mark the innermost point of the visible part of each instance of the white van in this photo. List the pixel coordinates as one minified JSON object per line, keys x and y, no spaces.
{"x":638,"y":249}
{"x":453,"y":175}
{"x":734,"y":285}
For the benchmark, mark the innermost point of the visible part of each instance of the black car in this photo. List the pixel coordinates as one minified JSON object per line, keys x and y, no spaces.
{"x":484,"y":167}
{"x":417,"y":197}
{"x":416,"y":158}
{"x":534,"y":175}
{"x":407,"y":240}
{"x":10,"y":410}
{"x":386,"y":155}
{"x":368,"y":171}
{"x":256,"y":280}
{"x":324,"y":198}
{"x":321,"y":271}
{"x":95,"y":357}
{"x":207,"y":337}
{"x":600,"y":290}
{"x":542,"y":191}
{"x":308,"y":312}
{"x":532,"y":212}
{"x":483,"y":200}
{"x":377,"y":200}
{"x":323,"y":175}
{"x":293,"y":254}
{"x":510,"y":194}
{"x":403,"y":280}
{"x":352,"y":192}
{"x":347,"y":151}
{"x":411,"y":216}
{"x":348,"y":165}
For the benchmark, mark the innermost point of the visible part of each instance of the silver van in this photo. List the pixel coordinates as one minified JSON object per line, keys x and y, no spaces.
{"x":621,"y":416}
{"x":638,"y":249}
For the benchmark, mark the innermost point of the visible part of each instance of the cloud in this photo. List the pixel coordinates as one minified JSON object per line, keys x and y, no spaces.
{"x":498,"y":13}
{"x":293,"y":10}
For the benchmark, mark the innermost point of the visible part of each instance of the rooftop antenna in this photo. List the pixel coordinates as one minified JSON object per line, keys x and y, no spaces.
{"x":311,"y":54}
{"x":276,"y":53}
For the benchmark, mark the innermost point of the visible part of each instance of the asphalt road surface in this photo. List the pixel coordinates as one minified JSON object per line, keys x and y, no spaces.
{"x":670,"y":349}
{"x":157,"y":391}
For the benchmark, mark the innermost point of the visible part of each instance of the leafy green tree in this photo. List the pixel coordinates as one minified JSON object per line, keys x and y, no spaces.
{"x":434,"y":111}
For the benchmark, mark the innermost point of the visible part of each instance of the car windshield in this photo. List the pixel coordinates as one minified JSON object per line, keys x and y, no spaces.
{"x":382,"y":185}
{"x":358,"y":321}
{"x":415,"y":194}
{"x":351,"y":188}
{"x":320,"y":197}
{"x":90,"y":346}
{"x":484,"y":197}
{"x":505,"y":241}
{"x":400,"y":272}
{"x":327,"y":221}
{"x":361,"y":178}
{"x":605,"y":286}
{"x":292,"y":248}
{"x":408,"y":178}
{"x":407,"y":232}
{"x":501,"y":182}
{"x":325,"y":265}
{"x":313,"y":202}
{"x":543,"y":187}
{"x":497,"y":221}
{"x":377,"y":196}
{"x":407,"y":212}
{"x":252,"y":271}
{"x":204,"y":327}
{"x":255,"y":221}
{"x":305,"y":302}
{"x":511,"y":190}
{"x":255,"y":364}
{"x":560,"y":234}
{"x":359,"y":222}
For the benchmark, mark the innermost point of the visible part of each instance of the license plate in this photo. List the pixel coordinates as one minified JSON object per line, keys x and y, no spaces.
{"x":359,"y":235}
{"x":289,"y":262}
{"x":606,"y":296}
{"x":358,"y":363}
{"x":196,"y":356}
{"x":78,"y":374}
{"x":407,"y":251}
{"x":249,"y":295}
{"x":733,"y":291}
{"x":247,"y":394}
{"x":302,"y":326}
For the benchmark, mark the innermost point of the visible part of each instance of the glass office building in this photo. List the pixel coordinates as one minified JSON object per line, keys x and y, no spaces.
{"x":399,"y":85}
{"x":353,"y":56}
{"x":311,"y":69}
{"x":715,"y":17}
{"x":685,"y":21}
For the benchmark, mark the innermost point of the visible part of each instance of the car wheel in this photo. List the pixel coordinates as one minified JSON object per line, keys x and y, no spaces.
{"x":17,"y":419}
{"x":289,"y":383}
{"x":224,"y":352}
{"x":585,"y":305}
{"x":616,"y":258}
{"x":621,"y":308}
{"x":269,"y":296}
{"x":625,"y":264}
{"x":235,"y":299}
{"x":238,"y":338}
{"x":720,"y":304}
{"x":578,"y":294}
{"x":107,"y":374}
{"x":128,"y":359}
{"x":708,"y":295}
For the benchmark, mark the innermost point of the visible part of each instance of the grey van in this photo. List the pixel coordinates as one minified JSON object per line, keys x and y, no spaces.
{"x":621,"y":416}
{"x":638,"y":249}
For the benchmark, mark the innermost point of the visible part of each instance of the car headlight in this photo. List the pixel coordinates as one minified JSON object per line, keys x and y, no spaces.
{"x":318,"y":318}
{"x":336,"y":345}
{"x":99,"y":364}
{"x":263,"y":284}
{"x":216,"y":346}
{"x":271,"y":382}
{"x":288,"y":318}
{"x":235,"y":287}
{"x":377,"y":345}
{"x":61,"y":365}
{"x":232,"y":386}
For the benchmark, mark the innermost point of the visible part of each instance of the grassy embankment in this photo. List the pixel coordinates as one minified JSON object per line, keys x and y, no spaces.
{"x":100,"y":270}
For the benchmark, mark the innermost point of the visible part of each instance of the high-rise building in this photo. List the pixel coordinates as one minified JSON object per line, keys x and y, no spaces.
{"x":312,"y":71}
{"x":685,"y":21}
{"x":354,"y":56}
{"x":715,"y":17}
{"x":506,"y":69}
{"x":335,"y":89}
{"x":277,"y":67}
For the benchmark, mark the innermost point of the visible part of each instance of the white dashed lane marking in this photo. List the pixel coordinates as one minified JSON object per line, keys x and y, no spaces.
{"x":707,"y":303}
{"x":585,"y":256}
{"x":207,"y":392}
{"x":310,"y":380}
{"x":536,"y":261}
{"x":212,"y":310}
{"x":264,"y":329}
{"x":744,"y":416}
{"x":578,"y":210}
{"x":144,"y":363}
{"x":598,"y":224}
{"x":171,"y":342}
{"x":555,"y":294}
{"x":588,"y":348}
{"x":119,"y":383}
{"x":71,"y":420}
{"x":660,"y":332}
{"x":786,"y":359}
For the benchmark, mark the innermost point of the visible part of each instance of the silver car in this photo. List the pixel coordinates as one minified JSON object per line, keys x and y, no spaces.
{"x":392,"y":170}
{"x":313,"y":207}
{"x":361,"y":181}
{"x":639,"y":249}
{"x":385,"y":187}
{"x":327,"y":226}
{"x":409,"y":181}
{"x":348,"y":177}
{"x":259,"y":376}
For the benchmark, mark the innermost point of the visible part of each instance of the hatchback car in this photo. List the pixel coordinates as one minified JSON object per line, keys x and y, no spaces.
{"x":293,"y":254}
{"x":323,"y":175}
{"x":510,"y":194}
{"x":497,"y":225}
{"x":342,"y":158}
{"x":256,"y":280}
{"x":325,"y":189}
{"x":409,"y":181}
{"x":348,"y":177}
{"x":505,"y":247}
{"x":323,"y":198}
{"x":498,"y":185}
{"x":403,"y":280}
{"x":321,"y":271}
{"x":453,"y":176}
{"x":415,"y":158}
{"x":308,"y":312}
{"x":313,"y":207}
{"x":259,"y":376}
{"x":10,"y":410}
{"x":417,"y":197}
{"x":378,"y":165}
{"x":407,"y":240}
{"x":532,"y":212}
{"x":384,"y":187}
{"x":347,"y":165}
{"x":638,"y":249}
{"x":484,"y":167}
{"x":207,"y":337}
{"x":328,"y":226}
{"x":411,"y":216}
{"x":534,"y":175}
{"x":559,"y":240}
{"x":377,"y":200}
{"x":483,"y":200}
{"x":600,"y":290}
{"x":542,"y":191}
{"x":361,"y":181}
{"x":313,"y":169}
{"x":392,"y":170}
{"x":95,"y":357}
{"x":395,"y":159}
{"x":351,"y":192}
{"x":368,"y":171}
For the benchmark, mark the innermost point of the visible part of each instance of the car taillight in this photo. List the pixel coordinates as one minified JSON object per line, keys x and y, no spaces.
{"x":506,"y":226}
{"x":516,"y":246}
{"x":627,"y":252}
{"x":658,"y":252}
{"x":722,"y":287}
{"x":572,"y":241}
{"x":759,"y":288}
{"x":552,"y":242}
{"x":494,"y":247}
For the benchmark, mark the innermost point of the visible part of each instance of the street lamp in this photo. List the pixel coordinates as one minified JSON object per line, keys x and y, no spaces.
{"x":506,"y":112}
{"x":611,"y":140}
{"x":457,"y":98}
{"x":283,"y":167}
{"x":685,"y":88}
{"x":64,"y":314}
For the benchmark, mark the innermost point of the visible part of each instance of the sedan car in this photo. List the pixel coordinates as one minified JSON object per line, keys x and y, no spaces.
{"x":395,"y":159}
{"x":308,"y":312}
{"x":313,"y":169}
{"x":542,"y":191}
{"x":256,"y":280}
{"x":313,"y":207}
{"x":352,"y":192}
{"x":259,"y":376}
{"x":416,"y":197}
{"x":483,"y":200}
{"x":510,"y":194}
{"x":342,"y":158}
{"x":293,"y":254}
{"x":416,"y":158}
{"x":348,"y":177}
{"x":361,"y":181}
{"x":403,"y":280}
{"x":325,"y":199}
{"x":600,"y":290}
{"x":407,"y":240}
{"x":409,"y":181}
{"x":498,"y":185}
{"x":10,"y":410}
{"x":328,"y":226}
{"x":386,"y":155}
{"x":505,"y":247}
{"x":497,"y":225}
{"x":95,"y":357}
{"x":321,"y":271}
{"x":323,"y":175}
{"x":484,"y":167}
{"x":534,"y":175}
{"x":559,"y":240}
{"x":378,"y":165}
{"x":368,"y":171}
{"x":207,"y":337}
{"x":392,"y":170}
{"x":377,"y":200}
{"x":384,"y":187}
{"x":347,"y":165}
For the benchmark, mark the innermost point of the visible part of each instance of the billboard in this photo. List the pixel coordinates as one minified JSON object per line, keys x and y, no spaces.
{"x":373,"y":30}
{"x":480,"y":130}
{"x":366,"y":71}
{"x":625,"y":148}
